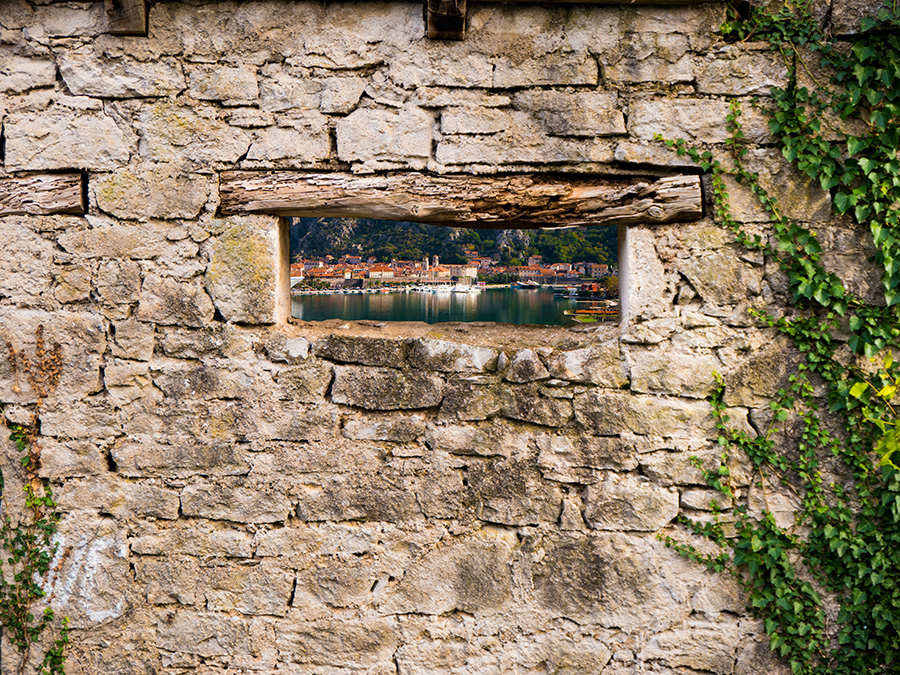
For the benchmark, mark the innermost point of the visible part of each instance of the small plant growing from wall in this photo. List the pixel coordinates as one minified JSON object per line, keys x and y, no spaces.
{"x":26,"y":538}
{"x":845,"y":542}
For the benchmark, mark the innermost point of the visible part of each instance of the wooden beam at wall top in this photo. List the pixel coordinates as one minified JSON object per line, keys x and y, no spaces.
{"x":521,"y":201}
{"x":126,"y":17}
{"x":445,"y":19}
{"x":42,"y":194}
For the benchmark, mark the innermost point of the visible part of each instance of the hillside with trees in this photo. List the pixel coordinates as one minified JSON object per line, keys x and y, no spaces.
{"x":386,"y":240}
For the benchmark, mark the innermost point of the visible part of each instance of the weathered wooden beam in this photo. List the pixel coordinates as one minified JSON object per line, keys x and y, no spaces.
{"x":42,"y":194}
{"x":445,"y":19}
{"x":521,"y":201}
{"x":127,"y":17}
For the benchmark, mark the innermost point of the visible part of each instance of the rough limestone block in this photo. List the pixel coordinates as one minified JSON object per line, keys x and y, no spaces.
{"x":755,"y":657}
{"x":379,"y":498}
{"x":642,"y":283}
{"x":721,"y":277}
{"x":629,"y":503}
{"x":452,"y":357}
{"x":605,"y":413}
{"x":90,"y":588}
{"x":426,"y":650}
{"x":525,"y":366}
{"x":471,"y":398}
{"x":511,"y":492}
{"x":649,"y":57}
{"x":678,"y":468}
{"x":169,"y":580}
{"x":73,"y":283}
{"x":64,"y":138}
{"x":244,"y":269}
{"x":548,"y":69}
{"x":118,"y":285}
{"x":697,"y":120}
{"x":799,"y":196}
{"x":336,"y":456}
{"x":87,"y":72}
{"x":524,"y":142}
{"x":305,"y":142}
{"x":576,"y":459}
{"x":615,"y":580}
{"x":187,"y":458}
{"x":174,"y":133}
{"x":58,"y":21}
{"x":120,"y":499}
{"x":443,"y":66}
{"x":168,"y":302}
{"x":26,"y":263}
{"x":72,"y":458}
{"x":325,"y":586}
{"x":472,"y":574}
{"x":695,"y":20}
{"x":760,"y":374}
{"x":365,"y":351}
{"x":718,"y":595}
{"x":364,"y":644}
{"x":203,"y":634}
{"x":849,"y":252}
{"x":21,"y":73}
{"x":178,"y":421}
{"x":108,"y":239}
{"x":341,"y":94}
{"x":289,"y":421}
{"x":532,"y":403}
{"x":200,"y":540}
{"x":151,"y":191}
{"x":602,"y":365}
{"x":654,"y":154}
{"x":494,"y":440}
{"x":847,"y":15}
{"x":123,"y":373}
{"x":237,"y":504}
{"x":306,"y":383}
{"x":670,"y":371}
{"x":562,"y":652}
{"x":738,"y":71}
{"x":229,"y":85}
{"x":217,"y":340}
{"x":476,"y":120}
{"x":282,"y":91}
{"x":82,"y":340}
{"x":92,"y":417}
{"x":703,"y":646}
{"x":398,"y":429}
{"x":385,"y":388}
{"x":370,"y":136}
{"x":282,"y":348}
{"x":263,"y":589}
{"x":565,"y":113}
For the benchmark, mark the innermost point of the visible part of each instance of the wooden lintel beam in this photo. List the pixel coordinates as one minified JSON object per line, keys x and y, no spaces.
{"x":126,"y":17}
{"x":42,"y":194}
{"x":445,"y":19}
{"x":521,"y":201}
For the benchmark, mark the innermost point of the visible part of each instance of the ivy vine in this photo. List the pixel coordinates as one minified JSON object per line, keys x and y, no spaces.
{"x":27,"y":545}
{"x":845,"y":542}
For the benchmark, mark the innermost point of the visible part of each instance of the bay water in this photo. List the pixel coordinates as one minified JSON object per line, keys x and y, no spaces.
{"x":500,"y":305}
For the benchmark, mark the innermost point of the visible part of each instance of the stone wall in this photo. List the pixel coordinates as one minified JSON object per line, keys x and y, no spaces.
{"x":247,"y":494}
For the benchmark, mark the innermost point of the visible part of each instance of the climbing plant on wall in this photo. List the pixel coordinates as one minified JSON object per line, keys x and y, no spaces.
{"x":845,"y":542}
{"x":27,"y":546}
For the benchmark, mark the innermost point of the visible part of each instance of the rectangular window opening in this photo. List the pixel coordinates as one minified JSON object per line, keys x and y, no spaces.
{"x":371,"y":270}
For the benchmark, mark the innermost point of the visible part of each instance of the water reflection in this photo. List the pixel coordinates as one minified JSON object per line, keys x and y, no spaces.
{"x":502,"y":305}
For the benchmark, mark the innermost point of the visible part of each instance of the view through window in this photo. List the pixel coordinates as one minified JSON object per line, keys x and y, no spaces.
{"x":366,"y":269}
